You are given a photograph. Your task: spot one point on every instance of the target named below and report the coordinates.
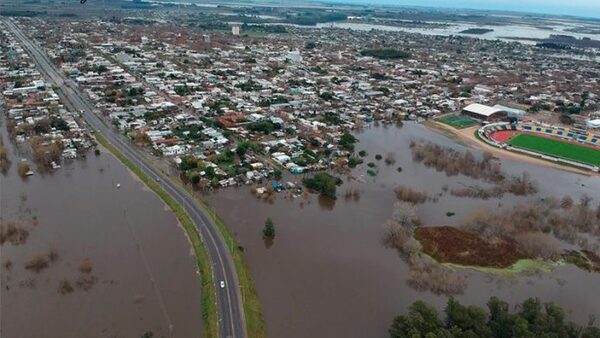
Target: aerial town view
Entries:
(299, 168)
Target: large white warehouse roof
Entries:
(481, 109)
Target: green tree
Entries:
(269, 229)
(470, 320)
(310, 45)
(195, 178)
(277, 173)
(347, 141)
(422, 320)
(324, 183)
(500, 321)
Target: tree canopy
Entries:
(269, 229)
(532, 319)
(347, 141)
(324, 183)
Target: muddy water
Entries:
(327, 273)
(146, 277)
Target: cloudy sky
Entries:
(588, 8)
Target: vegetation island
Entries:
(476, 31)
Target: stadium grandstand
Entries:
(573, 146)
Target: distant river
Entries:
(499, 32)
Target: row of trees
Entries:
(537, 226)
(385, 53)
(453, 162)
(533, 319)
(4, 160)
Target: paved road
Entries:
(230, 310)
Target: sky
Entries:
(585, 8)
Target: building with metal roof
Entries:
(484, 113)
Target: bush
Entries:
(407, 194)
(353, 161)
(195, 178)
(37, 263)
(13, 232)
(86, 282)
(425, 274)
(347, 141)
(23, 169)
(390, 158)
(85, 266)
(7, 263)
(65, 287)
(4, 161)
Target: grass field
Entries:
(456, 121)
(557, 148)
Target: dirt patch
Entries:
(451, 245)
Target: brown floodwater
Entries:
(146, 275)
(327, 273)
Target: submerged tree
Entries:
(269, 229)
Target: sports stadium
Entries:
(571, 146)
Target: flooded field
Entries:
(502, 32)
(118, 265)
(327, 273)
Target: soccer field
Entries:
(458, 122)
(557, 148)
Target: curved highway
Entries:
(229, 303)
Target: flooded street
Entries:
(327, 274)
(143, 276)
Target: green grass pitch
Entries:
(458, 122)
(557, 148)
